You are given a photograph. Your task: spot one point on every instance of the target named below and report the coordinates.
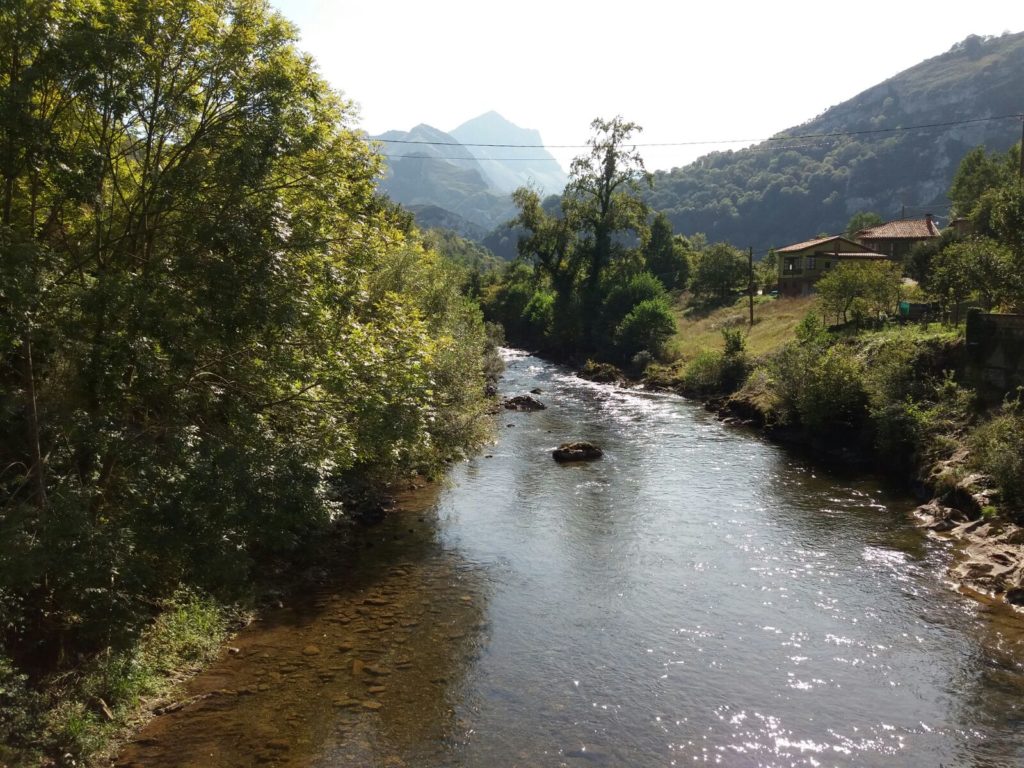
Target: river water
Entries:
(698, 596)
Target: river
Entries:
(698, 596)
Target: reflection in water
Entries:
(366, 671)
(697, 596)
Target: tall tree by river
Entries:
(211, 326)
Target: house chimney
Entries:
(928, 222)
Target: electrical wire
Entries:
(833, 134)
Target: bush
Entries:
(997, 449)
(539, 316)
(717, 373)
(623, 297)
(646, 328)
(818, 387)
(833, 393)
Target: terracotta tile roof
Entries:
(818, 241)
(865, 255)
(908, 229)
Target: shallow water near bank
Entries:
(698, 596)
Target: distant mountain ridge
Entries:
(440, 179)
(781, 192)
(511, 167)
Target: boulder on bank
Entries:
(524, 403)
(602, 373)
(578, 451)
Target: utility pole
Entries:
(750, 283)
(1020, 172)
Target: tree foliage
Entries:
(586, 264)
(860, 290)
(862, 220)
(666, 256)
(976, 269)
(720, 272)
(210, 326)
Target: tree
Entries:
(766, 271)
(574, 245)
(977, 173)
(602, 200)
(552, 244)
(721, 270)
(211, 327)
(865, 288)
(666, 255)
(647, 327)
(978, 268)
(862, 220)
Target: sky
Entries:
(702, 71)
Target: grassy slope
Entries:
(774, 323)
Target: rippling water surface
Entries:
(696, 597)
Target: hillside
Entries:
(782, 191)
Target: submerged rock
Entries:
(578, 451)
(524, 403)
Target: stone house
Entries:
(801, 265)
(895, 238)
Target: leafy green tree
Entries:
(978, 172)
(978, 268)
(862, 220)
(577, 244)
(647, 327)
(766, 271)
(865, 288)
(666, 256)
(602, 200)
(720, 272)
(624, 295)
(551, 243)
(212, 328)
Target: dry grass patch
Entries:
(774, 323)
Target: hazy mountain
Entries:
(508, 168)
(780, 192)
(467, 187)
(441, 175)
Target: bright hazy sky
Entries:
(685, 71)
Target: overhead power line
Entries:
(834, 134)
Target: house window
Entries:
(828, 265)
(811, 262)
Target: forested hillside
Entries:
(214, 335)
(783, 191)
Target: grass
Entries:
(775, 321)
(86, 715)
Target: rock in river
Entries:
(578, 451)
(524, 403)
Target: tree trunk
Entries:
(32, 411)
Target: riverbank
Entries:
(384, 635)
(86, 714)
